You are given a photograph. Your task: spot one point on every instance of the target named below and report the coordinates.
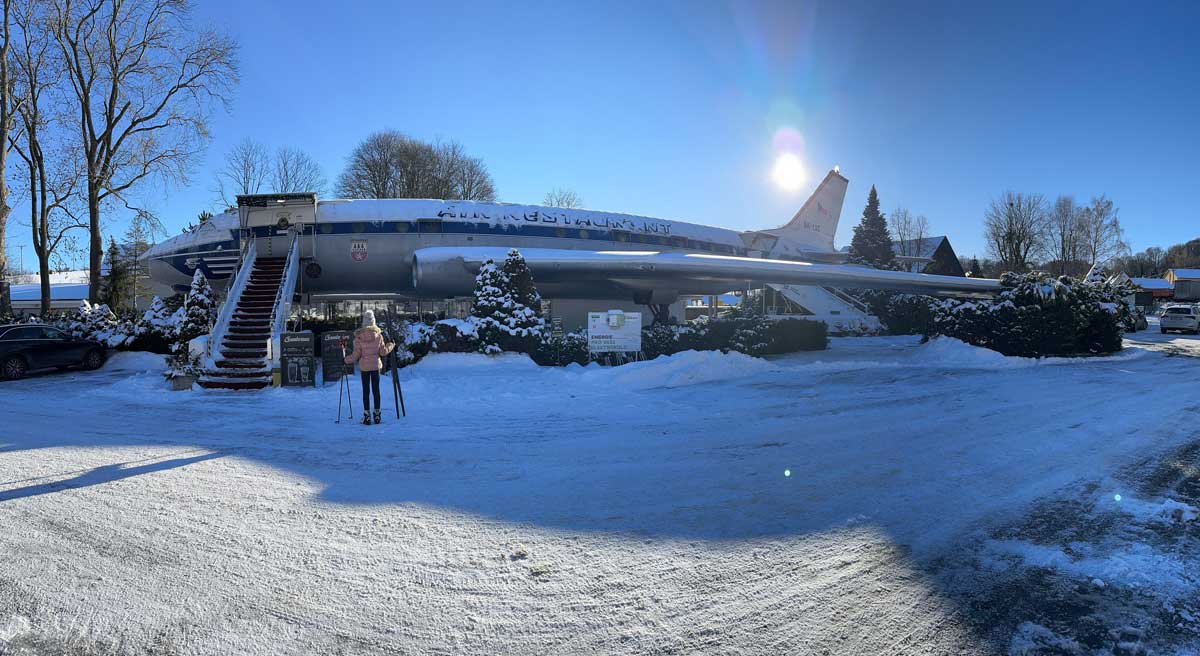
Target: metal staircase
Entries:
(839, 310)
(243, 343)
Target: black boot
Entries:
(366, 418)
(378, 417)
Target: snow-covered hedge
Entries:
(1039, 315)
(750, 334)
(901, 314)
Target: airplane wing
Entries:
(449, 271)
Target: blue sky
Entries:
(674, 109)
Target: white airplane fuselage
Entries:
(366, 247)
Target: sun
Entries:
(788, 172)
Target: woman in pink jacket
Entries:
(369, 351)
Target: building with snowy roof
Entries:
(27, 299)
(928, 255)
(1175, 275)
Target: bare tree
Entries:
(245, 170)
(294, 171)
(473, 182)
(1014, 229)
(53, 171)
(142, 78)
(564, 197)
(910, 230)
(1150, 263)
(1064, 237)
(389, 164)
(9, 109)
(1103, 237)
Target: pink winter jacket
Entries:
(369, 349)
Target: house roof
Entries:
(1152, 283)
(924, 247)
(1186, 274)
(59, 292)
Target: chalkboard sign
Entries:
(331, 353)
(298, 367)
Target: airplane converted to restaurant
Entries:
(275, 250)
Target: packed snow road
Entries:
(881, 497)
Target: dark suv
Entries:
(24, 347)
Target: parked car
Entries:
(1180, 317)
(26, 347)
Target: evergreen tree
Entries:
(199, 312)
(976, 271)
(116, 286)
(134, 246)
(507, 310)
(201, 219)
(872, 244)
(521, 280)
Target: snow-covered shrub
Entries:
(157, 328)
(901, 314)
(562, 351)
(199, 312)
(794, 335)
(1038, 315)
(456, 336)
(660, 339)
(507, 307)
(751, 336)
(98, 322)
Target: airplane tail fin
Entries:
(817, 221)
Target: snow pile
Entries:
(440, 362)
(951, 352)
(1135, 565)
(136, 362)
(1031, 639)
(680, 369)
(1164, 511)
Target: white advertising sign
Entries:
(614, 332)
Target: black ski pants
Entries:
(370, 379)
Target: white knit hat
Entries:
(368, 319)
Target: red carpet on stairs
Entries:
(243, 351)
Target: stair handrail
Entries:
(232, 294)
(849, 300)
(282, 308)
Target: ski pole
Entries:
(397, 392)
(341, 381)
(349, 401)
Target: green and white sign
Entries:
(614, 331)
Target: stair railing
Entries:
(232, 295)
(282, 307)
(848, 299)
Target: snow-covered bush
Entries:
(752, 334)
(1038, 315)
(199, 312)
(158, 327)
(507, 308)
(901, 314)
(99, 323)
(660, 339)
(562, 351)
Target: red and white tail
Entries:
(817, 221)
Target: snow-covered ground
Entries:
(880, 497)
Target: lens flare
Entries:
(788, 172)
